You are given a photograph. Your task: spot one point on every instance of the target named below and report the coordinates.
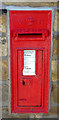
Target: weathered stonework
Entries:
(54, 110)
(4, 49)
(33, 4)
(55, 55)
(3, 23)
(55, 93)
(54, 70)
(56, 25)
(4, 64)
(0, 50)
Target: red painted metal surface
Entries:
(30, 30)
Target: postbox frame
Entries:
(8, 33)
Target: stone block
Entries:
(3, 39)
(4, 69)
(56, 21)
(0, 49)
(55, 70)
(3, 44)
(55, 52)
(4, 49)
(6, 114)
(0, 95)
(5, 93)
(0, 113)
(54, 110)
(3, 24)
(55, 93)
(31, 3)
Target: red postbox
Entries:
(30, 42)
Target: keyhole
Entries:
(23, 82)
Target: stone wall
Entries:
(54, 106)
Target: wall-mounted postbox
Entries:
(30, 42)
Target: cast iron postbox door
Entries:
(29, 77)
(30, 42)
